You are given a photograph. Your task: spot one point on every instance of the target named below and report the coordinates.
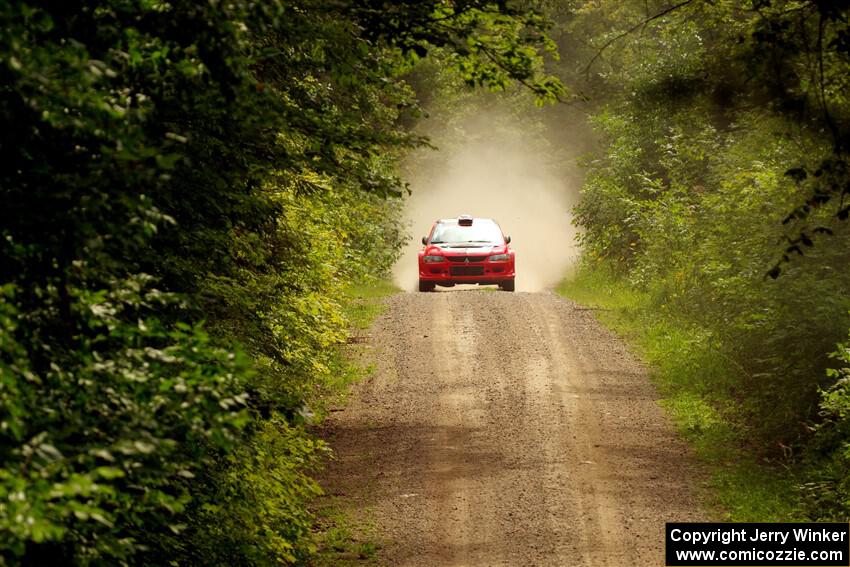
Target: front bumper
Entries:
(451, 273)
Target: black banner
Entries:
(757, 544)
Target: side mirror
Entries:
(507, 240)
(425, 240)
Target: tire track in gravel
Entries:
(508, 429)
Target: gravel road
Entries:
(508, 429)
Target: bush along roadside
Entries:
(683, 253)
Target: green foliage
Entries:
(717, 120)
(186, 191)
(689, 208)
(363, 303)
(491, 44)
(257, 512)
(101, 445)
(828, 489)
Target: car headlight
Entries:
(500, 257)
(433, 259)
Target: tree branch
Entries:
(617, 37)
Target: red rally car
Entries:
(466, 250)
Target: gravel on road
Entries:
(508, 429)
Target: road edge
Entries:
(740, 488)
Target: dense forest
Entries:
(719, 198)
(190, 188)
(187, 188)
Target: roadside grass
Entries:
(695, 384)
(343, 540)
(363, 302)
(344, 536)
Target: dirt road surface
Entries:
(508, 429)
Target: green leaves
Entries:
(187, 188)
(140, 397)
(719, 121)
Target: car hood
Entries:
(484, 250)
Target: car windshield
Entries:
(481, 231)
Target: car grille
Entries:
(467, 270)
(465, 258)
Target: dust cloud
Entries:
(491, 166)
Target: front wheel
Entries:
(426, 286)
(507, 285)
